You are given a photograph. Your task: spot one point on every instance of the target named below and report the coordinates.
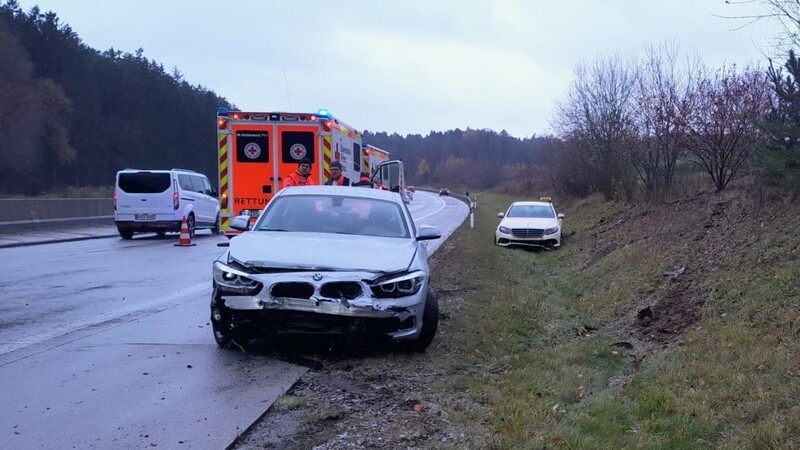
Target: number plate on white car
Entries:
(145, 217)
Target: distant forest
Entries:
(71, 116)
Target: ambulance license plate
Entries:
(145, 217)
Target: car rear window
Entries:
(144, 182)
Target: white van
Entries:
(158, 200)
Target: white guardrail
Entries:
(27, 213)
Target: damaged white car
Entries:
(326, 262)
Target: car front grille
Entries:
(341, 289)
(292, 290)
(527, 233)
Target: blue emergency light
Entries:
(222, 111)
(323, 112)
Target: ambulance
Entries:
(258, 150)
(373, 157)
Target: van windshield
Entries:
(144, 182)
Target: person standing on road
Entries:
(300, 177)
(337, 178)
(363, 181)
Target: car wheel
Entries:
(226, 339)
(216, 227)
(430, 322)
(229, 341)
(191, 225)
(125, 234)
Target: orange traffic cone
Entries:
(185, 239)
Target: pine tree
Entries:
(780, 159)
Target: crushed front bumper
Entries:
(317, 304)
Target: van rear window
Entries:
(144, 182)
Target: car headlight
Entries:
(398, 285)
(550, 231)
(234, 281)
(504, 230)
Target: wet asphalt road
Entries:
(107, 344)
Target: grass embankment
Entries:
(591, 346)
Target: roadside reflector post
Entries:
(472, 205)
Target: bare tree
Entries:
(784, 12)
(598, 117)
(721, 125)
(663, 92)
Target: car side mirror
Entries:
(560, 215)
(427, 232)
(501, 215)
(241, 223)
(213, 193)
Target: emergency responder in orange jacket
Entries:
(337, 179)
(363, 181)
(302, 176)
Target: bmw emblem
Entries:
(317, 277)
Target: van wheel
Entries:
(125, 234)
(191, 225)
(215, 228)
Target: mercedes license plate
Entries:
(145, 217)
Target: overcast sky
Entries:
(409, 66)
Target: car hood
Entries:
(316, 251)
(528, 222)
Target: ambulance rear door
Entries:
(253, 166)
(295, 142)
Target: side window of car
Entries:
(207, 187)
(197, 184)
(185, 182)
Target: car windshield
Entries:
(334, 214)
(533, 211)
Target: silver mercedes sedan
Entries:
(327, 262)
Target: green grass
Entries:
(542, 325)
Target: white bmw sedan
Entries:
(326, 262)
(531, 224)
